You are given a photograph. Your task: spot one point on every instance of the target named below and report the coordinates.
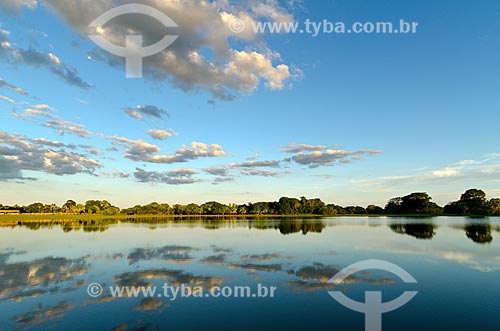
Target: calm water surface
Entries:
(45, 272)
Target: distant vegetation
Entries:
(473, 203)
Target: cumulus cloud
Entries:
(18, 153)
(297, 148)
(5, 84)
(135, 147)
(145, 152)
(34, 58)
(329, 157)
(140, 112)
(446, 172)
(172, 177)
(257, 164)
(43, 107)
(203, 57)
(260, 172)
(221, 173)
(132, 113)
(217, 171)
(161, 134)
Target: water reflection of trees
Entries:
(66, 225)
(285, 226)
(479, 232)
(304, 226)
(417, 230)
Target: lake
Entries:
(46, 270)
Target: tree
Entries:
(472, 202)
(242, 209)
(374, 210)
(79, 209)
(288, 206)
(233, 208)
(34, 208)
(355, 210)
(473, 195)
(92, 207)
(100, 207)
(311, 206)
(193, 209)
(214, 208)
(475, 200)
(330, 210)
(179, 209)
(415, 203)
(394, 206)
(69, 206)
(259, 208)
(494, 207)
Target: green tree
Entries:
(374, 210)
(475, 201)
(415, 203)
(394, 206)
(215, 208)
(288, 206)
(193, 209)
(473, 195)
(34, 208)
(494, 207)
(69, 206)
(92, 206)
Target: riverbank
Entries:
(62, 218)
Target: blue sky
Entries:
(349, 118)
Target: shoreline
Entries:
(6, 220)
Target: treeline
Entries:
(472, 202)
(69, 207)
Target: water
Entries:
(45, 272)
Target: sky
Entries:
(239, 116)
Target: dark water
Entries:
(45, 272)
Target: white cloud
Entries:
(19, 153)
(6, 99)
(171, 177)
(203, 57)
(37, 59)
(297, 148)
(43, 107)
(446, 172)
(139, 150)
(161, 134)
(329, 157)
